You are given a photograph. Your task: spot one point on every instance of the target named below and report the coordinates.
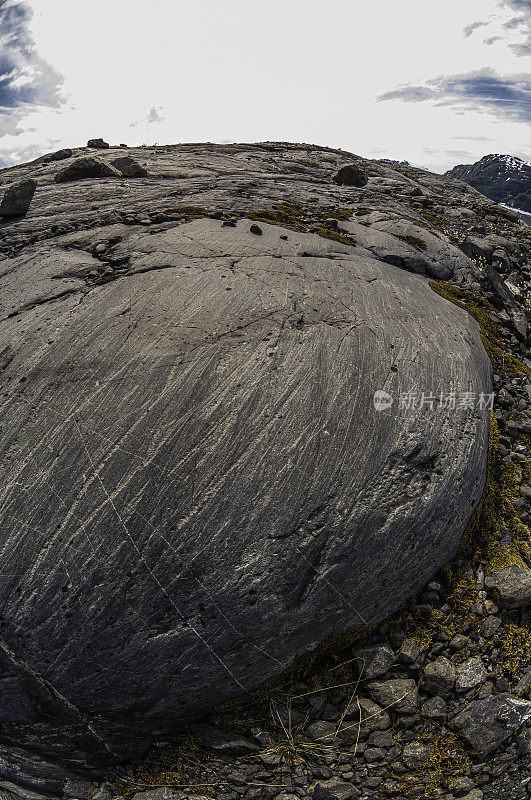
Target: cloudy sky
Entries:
(434, 83)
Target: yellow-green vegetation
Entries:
(176, 770)
(105, 279)
(306, 220)
(287, 215)
(448, 759)
(341, 236)
(496, 512)
(361, 212)
(436, 222)
(504, 363)
(414, 241)
(514, 644)
(306, 163)
(187, 212)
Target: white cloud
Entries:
(210, 71)
(153, 118)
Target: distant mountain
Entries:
(505, 179)
(3, 164)
(394, 161)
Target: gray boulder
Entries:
(511, 586)
(98, 144)
(438, 677)
(374, 661)
(333, 789)
(470, 674)
(28, 770)
(89, 167)
(17, 198)
(398, 694)
(129, 167)
(351, 175)
(196, 487)
(60, 155)
(487, 723)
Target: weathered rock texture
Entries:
(17, 198)
(195, 486)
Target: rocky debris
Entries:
(163, 793)
(434, 708)
(98, 144)
(511, 586)
(415, 754)
(406, 245)
(487, 723)
(129, 167)
(401, 694)
(470, 674)
(409, 652)
(438, 677)
(86, 168)
(524, 745)
(363, 716)
(60, 155)
(351, 175)
(222, 741)
(334, 790)
(373, 662)
(17, 198)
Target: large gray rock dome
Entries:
(196, 487)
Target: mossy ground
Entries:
(414, 241)
(105, 279)
(448, 759)
(307, 220)
(187, 213)
(503, 362)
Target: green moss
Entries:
(496, 512)
(414, 241)
(361, 212)
(187, 212)
(448, 759)
(504, 363)
(308, 220)
(327, 233)
(307, 163)
(336, 212)
(105, 279)
(436, 222)
(514, 647)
